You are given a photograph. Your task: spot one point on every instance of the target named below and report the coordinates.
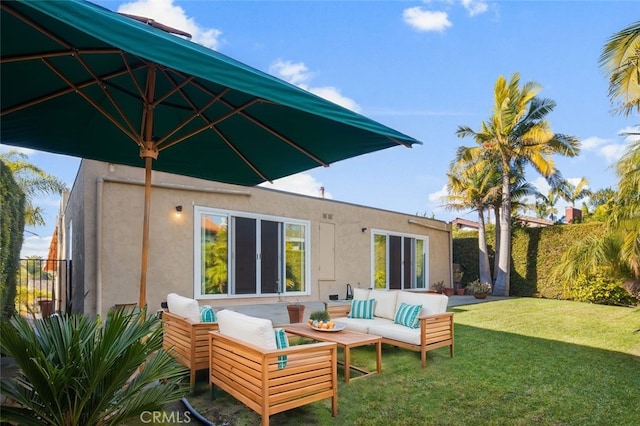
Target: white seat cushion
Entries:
(183, 307)
(257, 331)
(385, 306)
(389, 330)
(356, 324)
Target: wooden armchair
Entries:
(250, 374)
(187, 341)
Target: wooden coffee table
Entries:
(345, 339)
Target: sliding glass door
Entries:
(399, 261)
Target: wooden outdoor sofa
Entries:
(435, 329)
(185, 336)
(256, 375)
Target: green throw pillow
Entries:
(281, 343)
(407, 315)
(362, 309)
(207, 314)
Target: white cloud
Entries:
(298, 74)
(541, 185)
(333, 94)
(35, 246)
(475, 7)
(592, 143)
(426, 20)
(301, 183)
(167, 13)
(294, 72)
(605, 148)
(438, 196)
(612, 152)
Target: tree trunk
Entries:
(496, 257)
(501, 287)
(483, 258)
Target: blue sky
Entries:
(421, 67)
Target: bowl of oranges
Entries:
(326, 326)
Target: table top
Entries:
(343, 337)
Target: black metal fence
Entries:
(44, 287)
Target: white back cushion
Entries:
(361, 293)
(257, 331)
(184, 307)
(431, 303)
(385, 306)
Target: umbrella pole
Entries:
(145, 232)
(149, 152)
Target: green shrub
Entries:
(534, 253)
(26, 301)
(600, 288)
(320, 316)
(74, 370)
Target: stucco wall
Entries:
(119, 196)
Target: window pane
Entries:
(380, 261)
(408, 262)
(295, 255)
(214, 237)
(269, 256)
(395, 262)
(245, 255)
(420, 264)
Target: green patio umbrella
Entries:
(81, 80)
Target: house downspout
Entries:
(99, 190)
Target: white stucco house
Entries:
(231, 245)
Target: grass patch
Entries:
(517, 362)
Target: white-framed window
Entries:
(246, 254)
(399, 261)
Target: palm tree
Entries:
(472, 186)
(602, 197)
(573, 193)
(516, 134)
(618, 252)
(620, 58)
(545, 205)
(34, 182)
(625, 217)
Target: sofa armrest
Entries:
(338, 311)
(436, 316)
(436, 330)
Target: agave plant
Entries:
(80, 371)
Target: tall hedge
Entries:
(12, 204)
(534, 253)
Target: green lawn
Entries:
(517, 362)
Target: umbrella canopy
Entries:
(81, 80)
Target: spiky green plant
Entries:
(320, 316)
(80, 371)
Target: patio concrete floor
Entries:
(277, 312)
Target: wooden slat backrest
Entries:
(251, 374)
